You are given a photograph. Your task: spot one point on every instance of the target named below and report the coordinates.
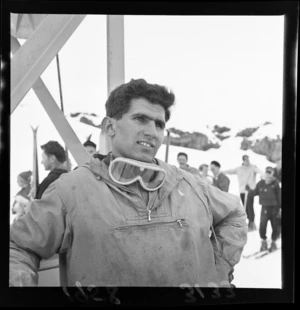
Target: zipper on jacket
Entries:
(181, 223)
(149, 215)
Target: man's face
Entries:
(182, 160)
(21, 182)
(46, 161)
(269, 175)
(246, 161)
(214, 169)
(90, 149)
(140, 132)
(205, 171)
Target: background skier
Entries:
(269, 193)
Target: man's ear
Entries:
(108, 124)
(52, 158)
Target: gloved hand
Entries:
(247, 187)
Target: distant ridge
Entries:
(263, 139)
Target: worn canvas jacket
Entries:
(104, 232)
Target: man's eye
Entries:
(160, 125)
(140, 118)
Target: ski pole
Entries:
(62, 107)
(35, 167)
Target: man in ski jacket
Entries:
(221, 181)
(127, 218)
(246, 175)
(182, 159)
(53, 158)
(269, 194)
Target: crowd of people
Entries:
(130, 219)
(268, 189)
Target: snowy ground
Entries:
(258, 273)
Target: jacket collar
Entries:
(58, 171)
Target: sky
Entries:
(224, 70)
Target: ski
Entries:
(262, 254)
(254, 254)
(266, 253)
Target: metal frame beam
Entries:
(38, 51)
(115, 51)
(63, 127)
(115, 66)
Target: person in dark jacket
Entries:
(269, 193)
(53, 159)
(221, 181)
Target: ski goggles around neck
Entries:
(125, 171)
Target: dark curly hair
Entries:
(119, 100)
(54, 148)
(216, 163)
(182, 154)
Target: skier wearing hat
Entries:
(269, 193)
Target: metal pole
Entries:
(62, 107)
(115, 51)
(167, 146)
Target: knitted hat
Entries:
(26, 176)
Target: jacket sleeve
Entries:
(229, 228)
(260, 172)
(40, 233)
(278, 194)
(255, 191)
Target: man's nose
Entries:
(150, 129)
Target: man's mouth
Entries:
(146, 144)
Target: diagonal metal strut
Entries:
(56, 116)
(38, 51)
